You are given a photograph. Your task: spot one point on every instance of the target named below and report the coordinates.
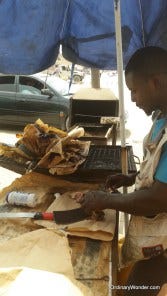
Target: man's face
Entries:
(142, 92)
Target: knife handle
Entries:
(44, 216)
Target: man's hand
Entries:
(93, 200)
(119, 180)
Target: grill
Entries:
(102, 161)
(107, 158)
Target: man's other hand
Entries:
(119, 180)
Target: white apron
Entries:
(146, 237)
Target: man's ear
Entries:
(156, 82)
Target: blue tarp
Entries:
(31, 32)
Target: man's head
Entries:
(146, 78)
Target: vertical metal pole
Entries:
(121, 92)
(120, 69)
(118, 34)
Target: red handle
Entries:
(47, 216)
(44, 216)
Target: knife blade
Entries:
(60, 217)
(16, 215)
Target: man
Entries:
(146, 78)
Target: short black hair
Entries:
(148, 60)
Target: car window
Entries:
(7, 83)
(28, 85)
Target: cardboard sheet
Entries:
(24, 243)
(44, 188)
(102, 230)
(40, 249)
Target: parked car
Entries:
(24, 99)
(64, 72)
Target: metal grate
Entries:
(107, 158)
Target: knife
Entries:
(60, 217)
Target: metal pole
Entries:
(118, 34)
(120, 69)
(121, 94)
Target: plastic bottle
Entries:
(21, 198)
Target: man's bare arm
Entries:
(146, 202)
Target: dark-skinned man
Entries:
(146, 78)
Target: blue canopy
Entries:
(33, 30)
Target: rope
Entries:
(71, 77)
(142, 24)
